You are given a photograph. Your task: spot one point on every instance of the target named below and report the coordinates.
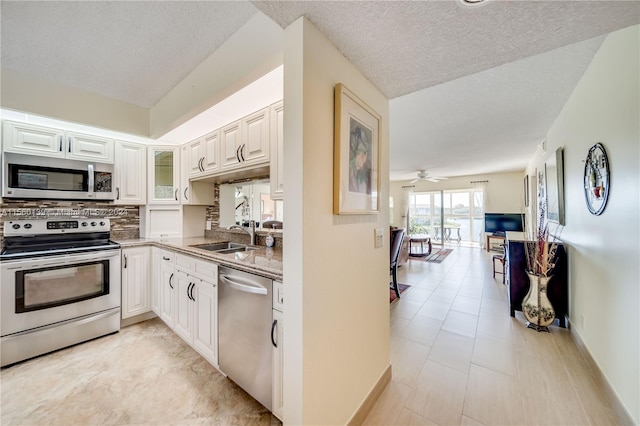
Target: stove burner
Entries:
(45, 237)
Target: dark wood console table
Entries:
(518, 281)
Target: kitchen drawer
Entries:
(185, 263)
(167, 256)
(198, 268)
(278, 296)
(206, 270)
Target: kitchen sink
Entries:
(237, 249)
(225, 247)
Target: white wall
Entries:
(504, 192)
(337, 313)
(21, 92)
(604, 250)
(253, 51)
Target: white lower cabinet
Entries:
(136, 289)
(196, 319)
(167, 288)
(277, 399)
(156, 291)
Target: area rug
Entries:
(437, 256)
(401, 288)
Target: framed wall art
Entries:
(554, 179)
(596, 179)
(356, 163)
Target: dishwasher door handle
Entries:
(247, 287)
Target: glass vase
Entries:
(536, 306)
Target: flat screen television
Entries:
(499, 223)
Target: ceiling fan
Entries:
(423, 175)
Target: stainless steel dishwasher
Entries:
(244, 333)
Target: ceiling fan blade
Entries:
(432, 179)
(414, 181)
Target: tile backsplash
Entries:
(125, 220)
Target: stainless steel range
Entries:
(60, 285)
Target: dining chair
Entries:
(396, 242)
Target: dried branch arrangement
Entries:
(540, 253)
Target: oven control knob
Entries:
(15, 226)
(27, 226)
(101, 223)
(93, 224)
(84, 224)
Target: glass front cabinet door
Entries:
(164, 175)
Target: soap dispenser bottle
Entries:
(270, 240)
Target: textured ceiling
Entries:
(405, 46)
(130, 51)
(472, 89)
(486, 122)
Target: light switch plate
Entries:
(207, 225)
(378, 235)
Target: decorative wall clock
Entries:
(596, 179)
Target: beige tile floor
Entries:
(144, 374)
(458, 358)
(457, 355)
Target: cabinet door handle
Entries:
(125, 261)
(70, 143)
(238, 153)
(273, 328)
(60, 146)
(242, 152)
(190, 291)
(200, 166)
(166, 258)
(117, 193)
(185, 194)
(176, 194)
(170, 281)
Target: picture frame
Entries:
(554, 182)
(526, 191)
(356, 165)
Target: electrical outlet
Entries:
(207, 225)
(378, 235)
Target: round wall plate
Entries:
(596, 179)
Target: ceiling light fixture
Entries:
(473, 3)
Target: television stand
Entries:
(490, 237)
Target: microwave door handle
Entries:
(91, 180)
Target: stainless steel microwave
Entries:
(28, 176)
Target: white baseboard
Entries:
(363, 410)
(621, 411)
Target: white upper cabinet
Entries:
(245, 142)
(34, 140)
(163, 174)
(256, 138)
(277, 151)
(194, 192)
(230, 144)
(203, 155)
(211, 152)
(45, 141)
(90, 148)
(130, 173)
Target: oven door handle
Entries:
(68, 259)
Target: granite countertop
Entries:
(264, 261)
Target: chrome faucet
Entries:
(251, 230)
